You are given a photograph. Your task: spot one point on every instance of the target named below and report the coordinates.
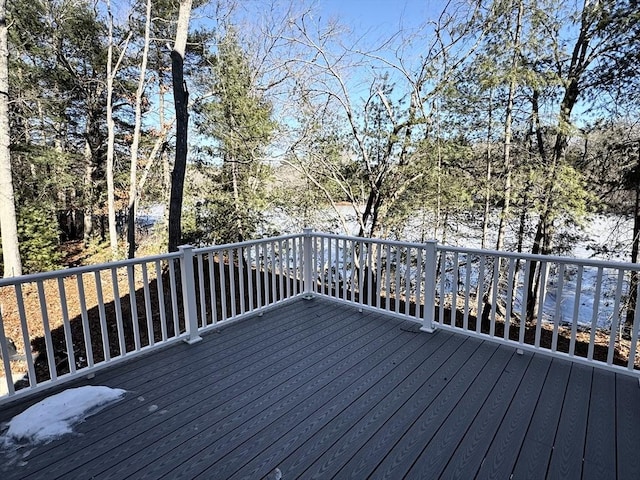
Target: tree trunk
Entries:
(88, 189)
(544, 214)
(436, 226)
(111, 71)
(533, 270)
(180, 98)
(135, 143)
(513, 85)
(489, 164)
(111, 196)
(236, 200)
(164, 157)
(506, 159)
(8, 224)
(635, 249)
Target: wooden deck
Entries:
(314, 389)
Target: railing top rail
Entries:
(494, 253)
(246, 243)
(544, 258)
(67, 272)
(369, 240)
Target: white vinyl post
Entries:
(189, 294)
(430, 267)
(307, 263)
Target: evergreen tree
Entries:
(238, 120)
(56, 118)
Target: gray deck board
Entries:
(399, 381)
(628, 426)
(438, 400)
(215, 372)
(600, 446)
(472, 449)
(504, 448)
(320, 390)
(346, 437)
(568, 451)
(535, 453)
(439, 450)
(241, 377)
(216, 439)
(306, 417)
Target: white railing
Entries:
(235, 280)
(69, 323)
(60, 325)
(572, 308)
(376, 274)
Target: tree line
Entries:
(521, 113)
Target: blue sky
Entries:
(382, 16)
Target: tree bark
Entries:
(88, 188)
(236, 200)
(180, 98)
(8, 224)
(488, 164)
(164, 157)
(111, 196)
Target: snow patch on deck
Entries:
(56, 415)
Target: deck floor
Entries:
(313, 389)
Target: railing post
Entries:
(189, 294)
(430, 274)
(307, 263)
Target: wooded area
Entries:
(527, 109)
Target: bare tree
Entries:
(387, 124)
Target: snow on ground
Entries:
(603, 237)
(149, 216)
(56, 415)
